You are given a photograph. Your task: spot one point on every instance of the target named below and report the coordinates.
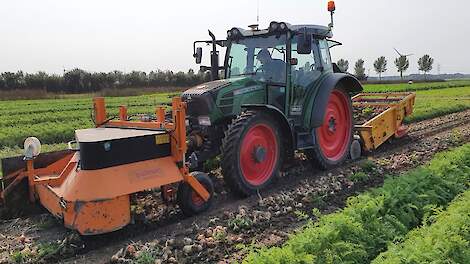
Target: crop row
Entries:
(403, 87)
(65, 115)
(81, 99)
(433, 103)
(371, 221)
(38, 106)
(443, 238)
(50, 132)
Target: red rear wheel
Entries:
(335, 133)
(333, 138)
(251, 152)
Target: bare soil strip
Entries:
(224, 233)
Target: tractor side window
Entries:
(325, 54)
(303, 74)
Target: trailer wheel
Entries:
(251, 152)
(333, 138)
(189, 201)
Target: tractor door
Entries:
(304, 73)
(276, 87)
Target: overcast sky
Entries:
(105, 35)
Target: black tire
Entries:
(317, 154)
(185, 195)
(231, 152)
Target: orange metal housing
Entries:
(97, 201)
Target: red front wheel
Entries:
(332, 140)
(251, 152)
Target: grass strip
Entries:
(443, 238)
(370, 221)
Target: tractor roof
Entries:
(317, 30)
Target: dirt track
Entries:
(218, 234)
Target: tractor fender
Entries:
(279, 115)
(319, 99)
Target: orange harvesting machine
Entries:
(89, 185)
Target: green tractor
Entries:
(280, 92)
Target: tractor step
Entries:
(304, 140)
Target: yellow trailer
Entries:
(394, 107)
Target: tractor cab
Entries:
(284, 59)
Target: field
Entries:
(53, 121)
(389, 206)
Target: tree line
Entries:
(81, 81)
(402, 63)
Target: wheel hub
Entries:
(332, 125)
(259, 154)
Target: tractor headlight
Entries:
(32, 147)
(204, 121)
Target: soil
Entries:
(234, 226)
(362, 114)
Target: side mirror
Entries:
(304, 43)
(294, 61)
(198, 55)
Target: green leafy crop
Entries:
(373, 220)
(447, 240)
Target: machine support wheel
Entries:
(189, 201)
(402, 131)
(332, 140)
(251, 152)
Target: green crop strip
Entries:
(434, 103)
(55, 120)
(371, 221)
(404, 87)
(445, 240)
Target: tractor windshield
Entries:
(263, 57)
